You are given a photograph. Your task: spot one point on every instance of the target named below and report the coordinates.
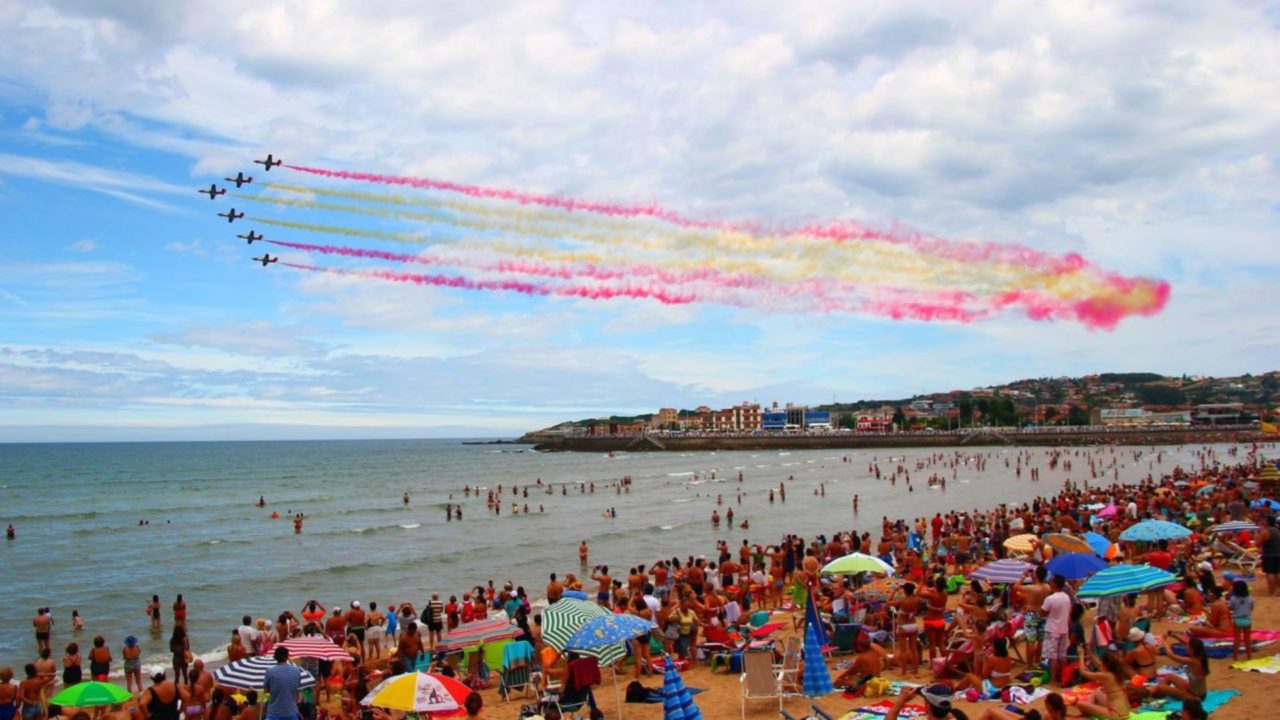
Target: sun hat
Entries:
(938, 697)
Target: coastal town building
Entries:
(1138, 417)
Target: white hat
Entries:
(514, 594)
(1136, 635)
(355, 603)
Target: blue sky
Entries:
(1141, 135)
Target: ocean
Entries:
(77, 507)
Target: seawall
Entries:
(552, 442)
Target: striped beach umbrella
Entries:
(1065, 543)
(474, 634)
(1024, 543)
(1101, 545)
(565, 617)
(1234, 526)
(251, 673)
(1074, 566)
(1153, 530)
(817, 679)
(1001, 572)
(1125, 579)
(677, 703)
(315, 647)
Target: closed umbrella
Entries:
(91, 694)
(855, 563)
(817, 679)
(1001, 572)
(1124, 580)
(1024, 543)
(1065, 543)
(419, 692)
(1153, 530)
(677, 703)
(1075, 566)
(1234, 526)
(474, 634)
(315, 647)
(251, 673)
(566, 617)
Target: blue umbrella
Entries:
(817, 679)
(1074, 566)
(1099, 543)
(1124, 580)
(677, 704)
(1001, 572)
(1266, 503)
(812, 619)
(605, 630)
(1152, 530)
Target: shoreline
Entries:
(544, 441)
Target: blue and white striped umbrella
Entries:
(817, 679)
(1152, 530)
(1001, 572)
(677, 703)
(1125, 579)
(1234, 526)
(251, 674)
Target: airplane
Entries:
(251, 237)
(269, 163)
(213, 192)
(231, 215)
(239, 179)
(265, 259)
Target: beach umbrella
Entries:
(767, 629)
(814, 620)
(474, 634)
(251, 673)
(855, 563)
(1152, 530)
(1065, 543)
(1075, 566)
(1265, 503)
(315, 647)
(1206, 489)
(1101, 545)
(91, 694)
(1123, 580)
(1108, 511)
(607, 630)
(817, 679)
(1016, 524)
(1001, 572)
(561, 620)
(1024, 543)
(677, 703)
(1234, 526)
(419, 692)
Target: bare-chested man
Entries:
(47, 669)
(43, 623)
(1033, 596)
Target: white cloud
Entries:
(86, 245)
(123, 185)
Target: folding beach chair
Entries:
(517, 668)
(1247, 559)
(758, 679)
(789, 680)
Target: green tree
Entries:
(899, 418)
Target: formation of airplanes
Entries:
(240, 179)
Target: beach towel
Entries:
(1214, 700)
(1220, 649)
(877, 711)
(516, 653)
(1083, 691)
(1266, 665)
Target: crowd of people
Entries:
(931, 623)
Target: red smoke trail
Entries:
(525, 288)
(843, 230)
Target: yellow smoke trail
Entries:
(347, 231)
(787, 259)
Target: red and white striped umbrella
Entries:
(315, 647)
(480, 632)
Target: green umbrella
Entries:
(91, 694)
(565, 617)
(855, 563)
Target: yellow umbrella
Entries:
(1024, 543)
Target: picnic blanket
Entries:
(1214, 700)
(1266, 665)
(877, 711)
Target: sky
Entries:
(1142, 136)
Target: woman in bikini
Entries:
(995, 673)
(908, 631)
(1111, 700)
(1141, 660)
(935, 618)
(1196, 684)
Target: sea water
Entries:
(77, 508)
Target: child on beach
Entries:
(1241, 604)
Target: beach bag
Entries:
(637, 693)
(671, 631)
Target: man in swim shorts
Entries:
(42, 623)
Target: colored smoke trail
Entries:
(589, 292)
(347, 231)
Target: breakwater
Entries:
(558, 442)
